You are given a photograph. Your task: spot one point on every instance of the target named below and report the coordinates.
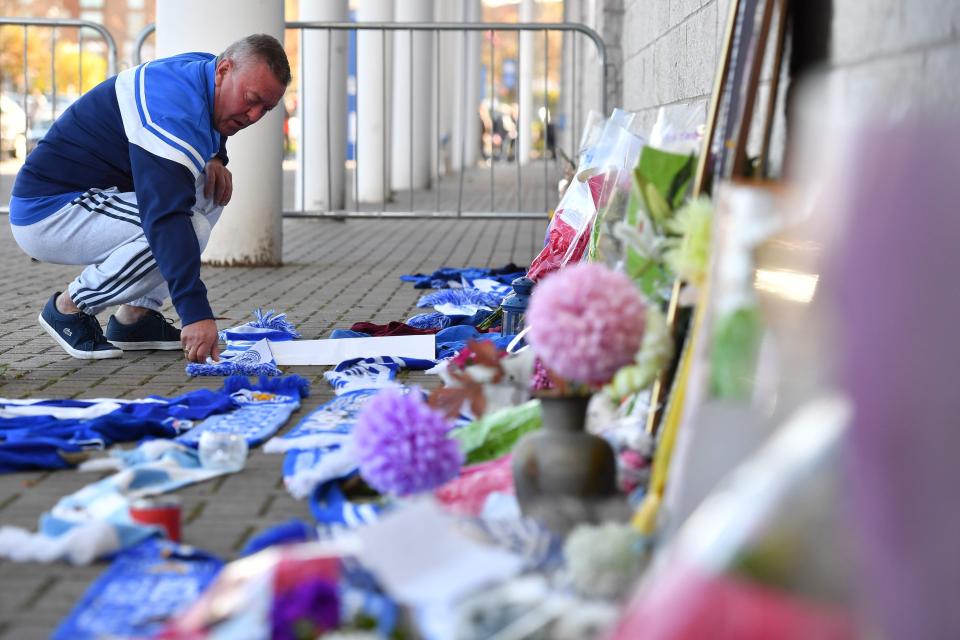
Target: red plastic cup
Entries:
(163, 512)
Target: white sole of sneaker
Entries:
(76, 353)
(146, 346)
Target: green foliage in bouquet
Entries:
(638, 221)
(494, 434)
(654, 354)
(664, 178)
(602, 240)
(688, 249)
(660, 183)
(644, 264)
(736, 343)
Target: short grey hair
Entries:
(263, 47)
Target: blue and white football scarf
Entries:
(431, 320)
(239, 359)
(467, 306)
(326, 427)
(306, 469)
(378, 372)
(95, 520)
(316, 449)
(265, 326)
(451, 340)
(291, 531)
(56, 434)
(258, 417)
(464, 302)
(440, 321)
(59, 409)
(247, 351)
(334, 513)
(142, 588)
(449, 277)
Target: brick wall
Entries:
(887, 55)
(670, 50)
(897, 54)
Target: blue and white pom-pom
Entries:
(270, 325)
(433, 320)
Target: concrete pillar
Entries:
(569, 139)
(412, 108)
(465, 139)
(321, 172)
(445, 87)
(374, 55)
(526, 76)
(249, 231)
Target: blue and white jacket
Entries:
(150, 130)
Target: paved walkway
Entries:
(334, 274)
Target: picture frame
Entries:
(723, 153)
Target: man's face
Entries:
(243, 94)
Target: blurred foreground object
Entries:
(898, 307)
(763, 556)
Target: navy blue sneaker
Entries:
(152, 331)
(79, 334)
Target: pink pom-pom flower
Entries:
(402, 444)
(586, 322)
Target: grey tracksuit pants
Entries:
(101, 229)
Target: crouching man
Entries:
(129, 182)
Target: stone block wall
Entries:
(893, 55)
(886, 56)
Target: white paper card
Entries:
(327, 352)
(421, 557)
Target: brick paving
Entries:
(335, 273)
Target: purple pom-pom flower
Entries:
(306, 610)
(402, 444)
(586, 322)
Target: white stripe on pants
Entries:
(101, 229)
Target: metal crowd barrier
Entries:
(574, 119)
(54, 25)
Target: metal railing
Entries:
(54, 25)
(545, 120)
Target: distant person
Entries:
(129, 181)
(508, 119)
(499, 133)
(551, 139)
(486, 131)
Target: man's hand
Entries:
(219, 186)
(199, 340)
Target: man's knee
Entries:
(43, 246)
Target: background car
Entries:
(13, 120)
(37, 130)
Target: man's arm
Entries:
(199, 340)
(222, 152)
(165, 195)
(219, 184)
